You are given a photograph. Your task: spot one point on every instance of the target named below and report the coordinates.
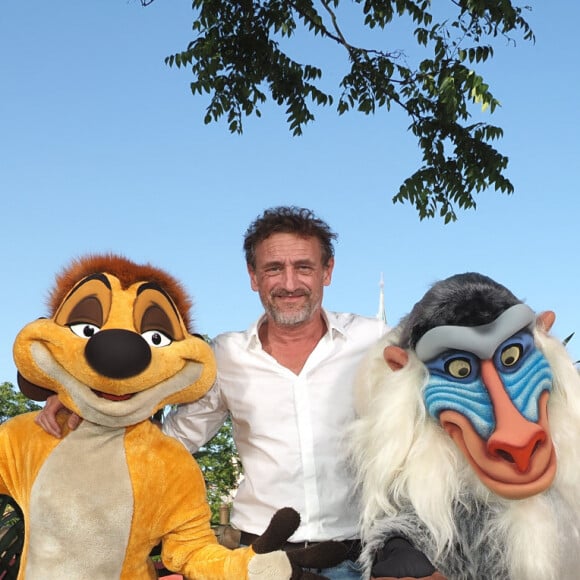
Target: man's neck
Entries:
(291, 345)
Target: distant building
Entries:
(381, 314)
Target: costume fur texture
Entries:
(416, 483)
(116, 348)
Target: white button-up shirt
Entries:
(288, 428)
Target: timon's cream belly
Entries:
(81, 508)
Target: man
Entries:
(286, 382)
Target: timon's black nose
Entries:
(118, 353)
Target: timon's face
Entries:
(290, 277)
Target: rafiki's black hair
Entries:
(468, 299)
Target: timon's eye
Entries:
(156, 338)
(458, 368)
(511, 354)
(84, 329)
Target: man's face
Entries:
(289, 277)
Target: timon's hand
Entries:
(292, 563)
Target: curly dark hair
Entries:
(288, 219)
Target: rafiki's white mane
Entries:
(414, 481)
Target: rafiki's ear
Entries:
(395, 357)
(545, 320)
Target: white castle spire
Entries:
(381, 314)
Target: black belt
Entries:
(352, 546)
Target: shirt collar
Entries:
(334, 325)
(332, 322)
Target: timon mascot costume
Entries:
(467, 445)
(116, 347)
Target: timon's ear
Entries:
(395, 357)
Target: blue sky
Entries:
(103, 148)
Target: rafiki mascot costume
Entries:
(467, 446)
(117, 347)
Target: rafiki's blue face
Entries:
(455, 382)
(489, 387)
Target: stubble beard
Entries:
(292, 317)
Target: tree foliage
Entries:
(13, 402)
(237, 57)
(11, 537)
(221, 468)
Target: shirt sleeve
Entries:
(194, 424)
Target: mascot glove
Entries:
(399, 559)
(434, 576)
(272, 563)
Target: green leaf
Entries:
(237, 58)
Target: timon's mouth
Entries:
(111, 397)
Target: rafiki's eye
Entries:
(458, 368)
(456, 365)
(511, 354)
(156, 338)
(84, 329)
